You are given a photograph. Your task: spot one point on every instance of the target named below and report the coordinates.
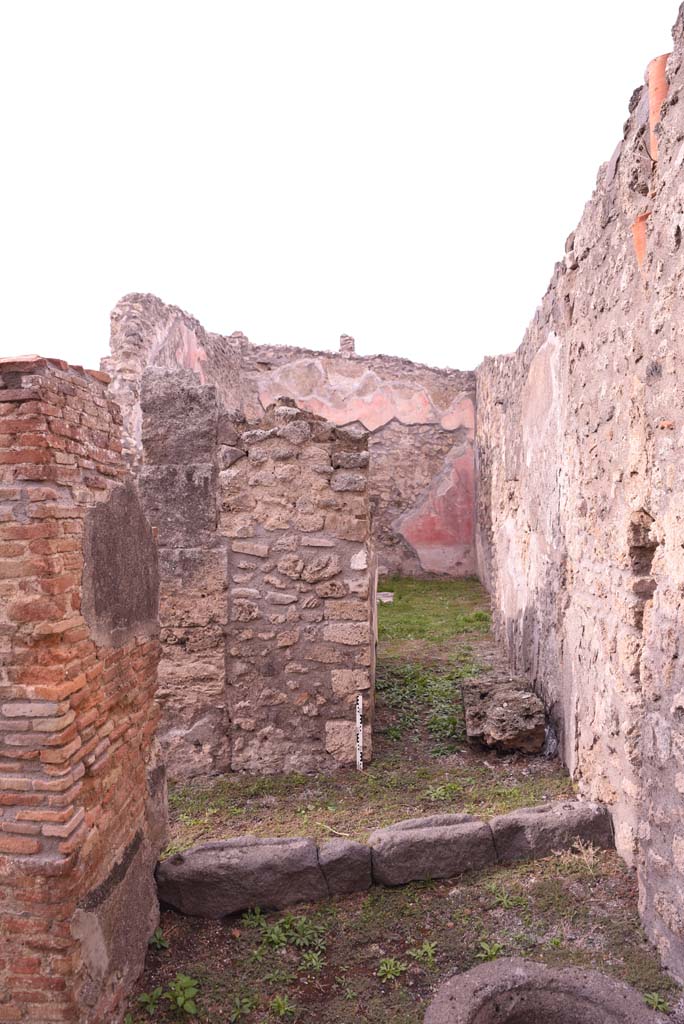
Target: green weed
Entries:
(390, 969)
(424, 953)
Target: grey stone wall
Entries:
(179, 487)
(267, 581)
(580, 483)
(295, 510)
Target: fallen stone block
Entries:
(385, 597)
(538, 831)
(225, 877)
(436, 847)
(346, 866)
(504, 715)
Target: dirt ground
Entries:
(377, 956)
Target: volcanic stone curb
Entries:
(226, 877)
(436, 847)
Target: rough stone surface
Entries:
(180, 496)
(580, 503)
(346, 866)
(121, 573)
(82, 796)
(267, 607)
(303, 644)
(223, 878)
(504, 714)
(538, 831)
(440, 846)
(516, 991)
(420, 422)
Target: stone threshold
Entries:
(226, 877)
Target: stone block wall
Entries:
(302, 591)
(267, 581)
(420, 421)
(81, 796)
(580, 484)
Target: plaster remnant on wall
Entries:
(415, 414)
(580, 535)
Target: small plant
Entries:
(149, 1000)
(425, 953)
(157, 940)
(181, 993)
(656, 1002)
(279, 977)
(488, 950)
(128, 1019)
(445, 792)
(507, 900)
(273, 934)
(312, 962)
(282, 1007)
(304, 933)
(556, 942)
(242, 1005)
(390, 969)
(257, 955)
(253, 918)
(583, 855)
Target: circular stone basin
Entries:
(514, 991)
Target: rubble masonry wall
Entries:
(580, 484)
(267, 581)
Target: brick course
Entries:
(76, 718)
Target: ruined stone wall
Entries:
(179, 489)
(81, 797)
(580, 489)
(302, 592)
(267, 581)
(420, 420)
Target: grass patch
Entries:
(422, 763)
(434, 610)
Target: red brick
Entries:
(23, 847)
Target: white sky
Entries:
(405, 172)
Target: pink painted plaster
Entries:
(441, 529)
(190, 355)
(461, 413)
(358, 394)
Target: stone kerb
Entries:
(226, 877)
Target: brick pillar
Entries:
(80, 825)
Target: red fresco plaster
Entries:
(441, 528)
